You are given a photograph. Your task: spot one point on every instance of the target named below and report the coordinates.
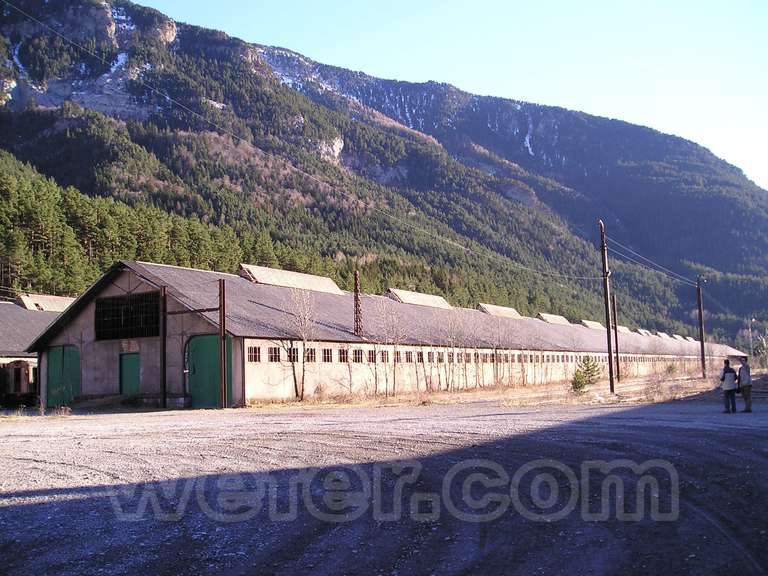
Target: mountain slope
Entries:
(639, 180)
(331, 169)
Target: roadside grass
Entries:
(24, 412)
(481, 394)
(654, 389)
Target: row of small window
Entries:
(275, 354)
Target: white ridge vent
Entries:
(592, 325)
(623, 329)
(644, 332)
(44, 302)
(678, 337)
(419, 298)
(501, 311)
(691, 339)
(553, 319)
(288, 279)
(663, 335)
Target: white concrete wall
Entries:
(266, 380)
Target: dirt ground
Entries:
(471, 488)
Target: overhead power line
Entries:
(660, 268)
(442, 239)
(672, 275)
(719, 304)
(644, 265)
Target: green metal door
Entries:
(63, 375)
(129, 374)
(203, 380)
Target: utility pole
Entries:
(700, 300)
(163, 346)
(616, 334)
(223, 342)
(751, 350)
(607, 298)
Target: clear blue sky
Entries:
(695, 68)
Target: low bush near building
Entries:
(587, 373)
(670, 370)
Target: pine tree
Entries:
(264, 251)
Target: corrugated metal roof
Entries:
(44, 302)
(663, 335)
(19, 327)
(644, 332)
(691, 339)
(553, 319)
(623, 329)
(592, 325)
(502, 311)
(419, 298)
(678, 337)
(266, 311)
(288, 279)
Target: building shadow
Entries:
(565, 499)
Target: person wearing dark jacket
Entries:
(745, 384)
(728, 379)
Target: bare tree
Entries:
(452, 336)
(303, 328)
(392, 330)
(470, 329)
(503, 337)
(348, 353)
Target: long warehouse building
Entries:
(150, 331)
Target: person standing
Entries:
(728, 379)
(745, 383)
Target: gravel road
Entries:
(437, 489)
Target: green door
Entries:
(203, 380)
(63, 375)
(129, 374)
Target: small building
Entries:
(209, 339)
(19, 326)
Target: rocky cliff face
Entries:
(47, 71)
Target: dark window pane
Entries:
(129, 316)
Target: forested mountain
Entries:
(638, 180)
(128, 135)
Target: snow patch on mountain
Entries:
(122, 20)
(215, 104)
(23, 71)
(528, 136)
(119, 62)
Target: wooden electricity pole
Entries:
(607, 298)
(700, 300)
(616, 334)
(163, 346)
(223, 342)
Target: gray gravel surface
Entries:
(77, 492)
